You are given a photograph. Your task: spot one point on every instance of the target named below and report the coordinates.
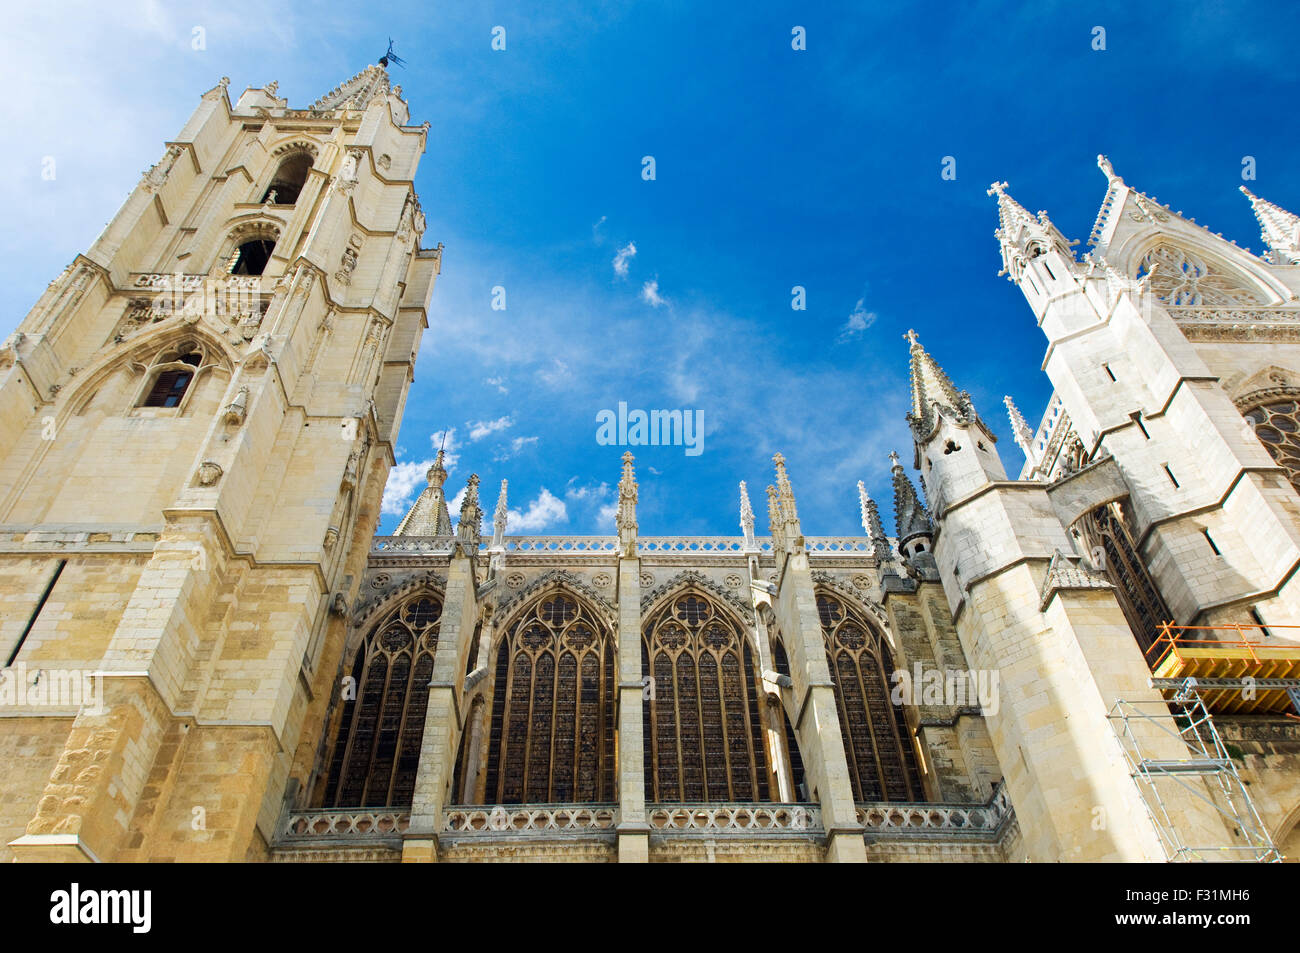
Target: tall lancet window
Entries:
(378, 746)
(704, 736)
(1105, 533)
(877, 742)
(552, 729)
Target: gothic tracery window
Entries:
(703, 732)
(171, 374)
(1181, 278)
(1277, 425)
(552, 728)
(378, 747)
(877, 741)
(1105, 533)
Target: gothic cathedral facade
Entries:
(210, 656)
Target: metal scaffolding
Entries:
(1207, 771)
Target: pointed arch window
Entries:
(171, 374)
(1106, 531)
(551, 737)
(703, 733)
(377, 750)
(289, 179)
(877, 741)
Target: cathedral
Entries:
(210, 656)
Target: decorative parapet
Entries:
(359, 827)
(425, 545)
(729, 819)
(531, 819)
(986, 821)
(658, 545)
(1234, 316)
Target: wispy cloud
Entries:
(650, 294)
(498, 382)
(484, 428)
(623, 258)
(858, 321)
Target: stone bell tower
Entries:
(196, 424)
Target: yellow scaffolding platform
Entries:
(1242, 675)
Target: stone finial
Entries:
(500, 518)
(871, 523)
(437, 473)
(785, 495)
(625, 518)
(910, 516)
(1020, 429)
(775, 522)
(1279, 229)
(470, 517)
(746, 517)
(1108, 170)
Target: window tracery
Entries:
(1181, 278)
(1277, 425)
(877, 741)
(171, 374)
(377, 750)
(551, 735)
(703, 732)
(1105, 534)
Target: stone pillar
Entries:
(633, 829)
(818, 724)
(443, 720)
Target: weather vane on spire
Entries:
(391, 57)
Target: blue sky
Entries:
(774, 168)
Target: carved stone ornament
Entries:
(209, 473)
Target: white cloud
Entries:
(555, 374)
(858, 321)
(542, 512)
(483, 428)
(597, 492)
(515, 447)
(498, 382)
(650, 294)
(623, 258)
(605, 515)
(405, 480)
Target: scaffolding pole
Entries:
(1207, 771)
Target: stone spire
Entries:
(499, 523)
(747, 518)
(1279, 229)
(871, 523)
(932, 388)
(1024, 436)
(429, 516)
(357, 92)
(910, 516)
(785, 502)
(625, 518)
(775, 522)
(1023, 236)
(468, 529)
